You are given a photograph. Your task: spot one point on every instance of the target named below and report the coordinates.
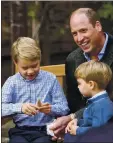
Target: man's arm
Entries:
(60, 124)
(75, 99)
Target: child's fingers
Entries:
(29, 108)
(39, 104)
(45, 107)
(46, 111)
(67, 129)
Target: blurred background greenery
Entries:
(48, 23)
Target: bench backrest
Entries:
(58, 70)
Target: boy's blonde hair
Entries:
(25, 48)
(95, 71)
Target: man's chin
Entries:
(87, 51)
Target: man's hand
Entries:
(29, 109)
(59, 125)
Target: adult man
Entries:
(93, 42)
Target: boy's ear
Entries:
(92, 84)
(15, 62)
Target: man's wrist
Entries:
(72, 116)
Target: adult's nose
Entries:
(79, 37)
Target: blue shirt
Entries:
(100, 55)
(45, 87)
(97, 113)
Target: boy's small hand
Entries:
(39, 104)
(29, 109)
(43, 107)
(73, 130)
(71, 125)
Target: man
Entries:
(93, 43)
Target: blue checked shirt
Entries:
(45, 87)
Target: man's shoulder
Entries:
(74, 54)
(110, 39)
(110, 36)
(108, 55)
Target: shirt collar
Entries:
(26, 80)
(100, 95)
(100, 55)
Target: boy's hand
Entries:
(73, 130)
(71, 125)
(44, 107)
(39, 104)
(29, 109)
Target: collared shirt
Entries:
(99, 110)
(98, 94)
(100, 55)
(45, 87)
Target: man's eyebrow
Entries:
(73, 32)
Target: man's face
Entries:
(28, 69)
(84, 33)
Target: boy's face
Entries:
(28, 69)
(84, 87)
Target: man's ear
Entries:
(98, 26)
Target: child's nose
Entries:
(30, 71)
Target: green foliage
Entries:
(32, 9)
(31, 13)
(106, 10)
(62, 31)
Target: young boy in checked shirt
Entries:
(21, 92)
